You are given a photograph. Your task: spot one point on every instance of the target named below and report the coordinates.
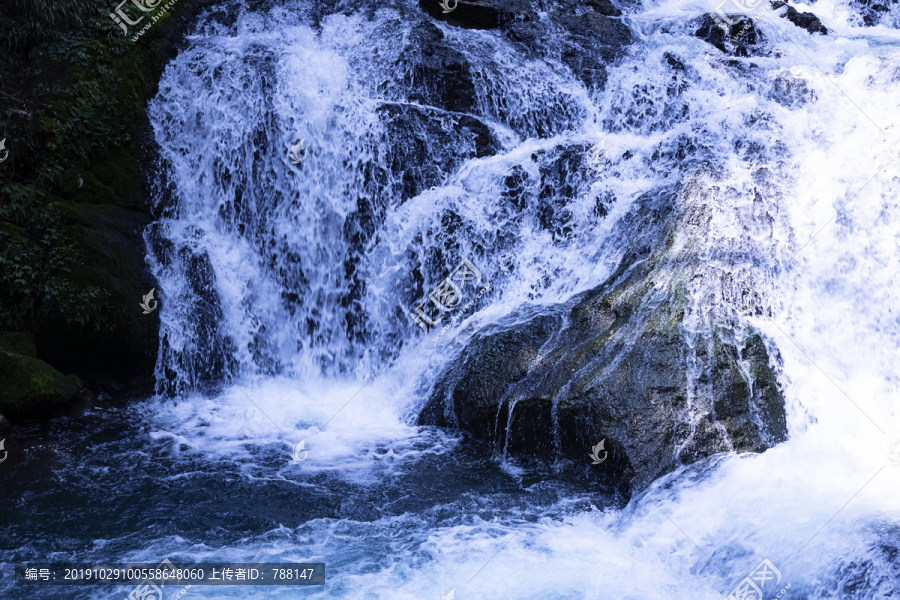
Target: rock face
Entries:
(805, 20)
(122, 350)
(586, 35)
(616, 363)
(437, 73)
(31, 388)
(420, 165)
(73, 205)
(471, 15)
(739, 37)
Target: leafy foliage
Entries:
(38, 21)
(35, 261)
(79, 89)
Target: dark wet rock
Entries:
(593, 29)
(211, 354)
(435, 73)
(562, 178)
(604, 7)
(589, 42)
(586, 37)
(428, 144)
(31, 388)
(805, 20)
(615, 364)
(515, 187)
(792, 92)
(871, 12)
(739, 37)
(533, 37)
(468, 14)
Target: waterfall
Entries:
(288, 291)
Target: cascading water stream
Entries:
(307, 271)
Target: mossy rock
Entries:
(617, 363)
(72, 256)
(33, 389)
(112, 179)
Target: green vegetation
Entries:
(71, 203)
(31, 387)
(78, 92)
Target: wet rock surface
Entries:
(587, 35)
(737, 36)
(871, 12)
(418, 164)
(615, 364)
(436, 73)
(468, 14)
(804, 20)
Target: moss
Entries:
(71, 256)
(32, 388)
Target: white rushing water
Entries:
(299, 331)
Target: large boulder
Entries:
(435, 73)
(590, 41)
(618, 364)
(31, 388)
